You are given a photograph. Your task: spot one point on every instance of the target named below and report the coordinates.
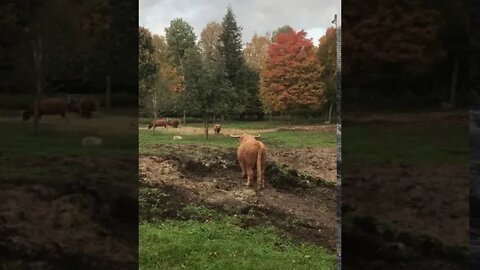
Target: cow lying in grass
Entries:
(251, 155)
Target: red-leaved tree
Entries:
(291, 78)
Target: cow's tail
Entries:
(260, 157)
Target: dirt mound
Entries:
(296, 204)
(308, 128)
(47, 225)
(314, 161)
(439, 198)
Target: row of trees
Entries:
(71, 41)
(218, 76)
(410, 50)
(64, 46)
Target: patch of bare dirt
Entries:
(315, 161)
(182, 130)
(447, 118)
(72, 226)
(308, 128)
(301, 208)
(420, 202)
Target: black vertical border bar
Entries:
(474, 23)
(339, 139)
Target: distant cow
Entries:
(87, 106)
(47, 106)
(175, 123)
(84, 107)
(217, 128)
(252, 155)
(157, 123)
(72, 106)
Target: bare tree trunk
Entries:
(453, 87)
(330, 112)
(37, 56)
(154, 105)
(184, 118)
(107, 93)
(205, 121)
(270, 118)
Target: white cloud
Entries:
(254, 16)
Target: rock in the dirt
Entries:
(91, 141)
(177, 137)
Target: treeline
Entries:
(68, 46)
(405, 52)
(219, 77)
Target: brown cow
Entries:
(157, 123)
(72, 106)
(175, 123)
(217, 128)
(84, 107)
(47, 106)
(252, 155)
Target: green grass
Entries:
(55, 156)
(421, 145)
(277, 139)
(193, 122)
(223, 245)
(18, 139)
(148, 138)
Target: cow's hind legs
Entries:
(243, 169)
(249, 177)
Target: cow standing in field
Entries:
(217, 128)
(83, 107)
(175, 123)
(157, 123)
(252, 155)
(47, 106)
(87, 106)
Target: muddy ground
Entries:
(401, 216)
(61, 211)
(315, 161)
(68, 228)
(302, 206)
(423, 201)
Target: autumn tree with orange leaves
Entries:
(327, 55)
(290, 80)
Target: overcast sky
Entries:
(255, 16)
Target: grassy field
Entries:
(265, 124)
(197, 237)
(218, 242)
(19, 139)
(389, 144)
(56, 153)
(278, 139)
